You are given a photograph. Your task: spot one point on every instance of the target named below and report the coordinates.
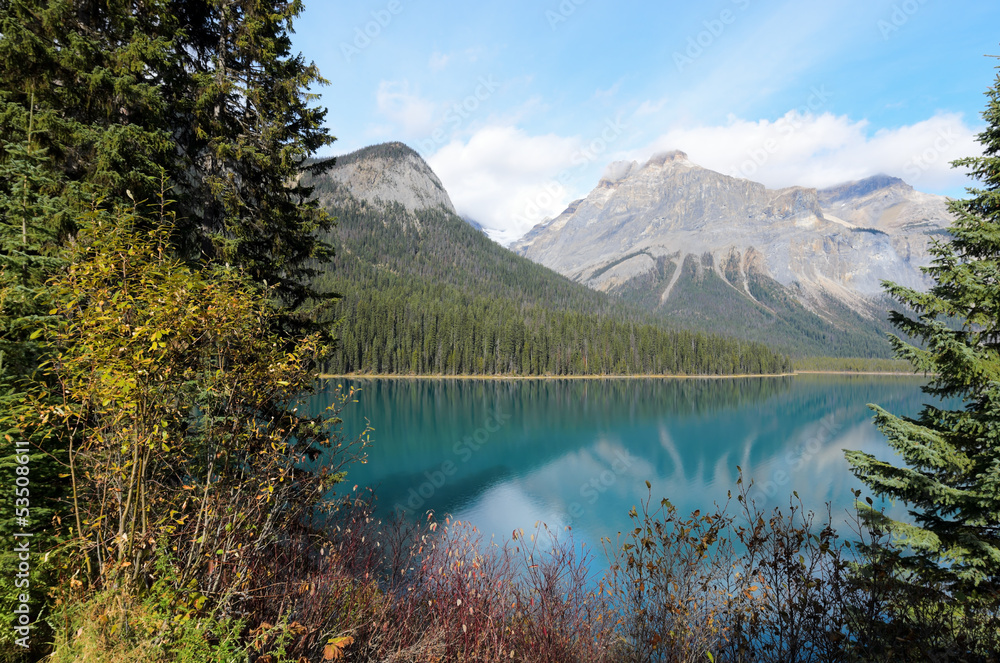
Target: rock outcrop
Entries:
(390, 172)
(825, 246)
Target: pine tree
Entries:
(204, 92)
(28, 257)
(250, 134)
(950, 472)
(101, 103)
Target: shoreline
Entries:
(664, 376)
(899, 373)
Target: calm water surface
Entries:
(505, 454)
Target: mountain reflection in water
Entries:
(504, 454)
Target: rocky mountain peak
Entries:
(660, 165)
(671, 157)
(884, 203)
(615, 173)
(795, 201)
(390, 173)
(640, 227)
(863, 187)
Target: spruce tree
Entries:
(101, 103)
(29, 250)
(206, 93)
(949, 477)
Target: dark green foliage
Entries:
(399, 328)
(204, 93)
(28, 257)
(28, 250)
(950, 472)
(426, 293)
(250, 131)
(71, 66)
(758, 310)
(852, 365)
(752, 586)
(102, 104)
(615, 263)
(645, 290)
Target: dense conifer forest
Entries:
(166, 496)
(700, 299)
(426, 293)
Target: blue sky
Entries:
(520, 106)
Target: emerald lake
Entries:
(505, 454)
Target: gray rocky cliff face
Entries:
(837, 243)
(390, 173)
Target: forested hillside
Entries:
(797, 268)
(702, 299)
(426, 293)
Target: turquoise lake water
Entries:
(504, 455)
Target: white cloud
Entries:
(806, 149)
(505, 179)
(413, 114)
(508, 180)
(438, 61)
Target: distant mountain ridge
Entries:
(426, 292)
(799, 266)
